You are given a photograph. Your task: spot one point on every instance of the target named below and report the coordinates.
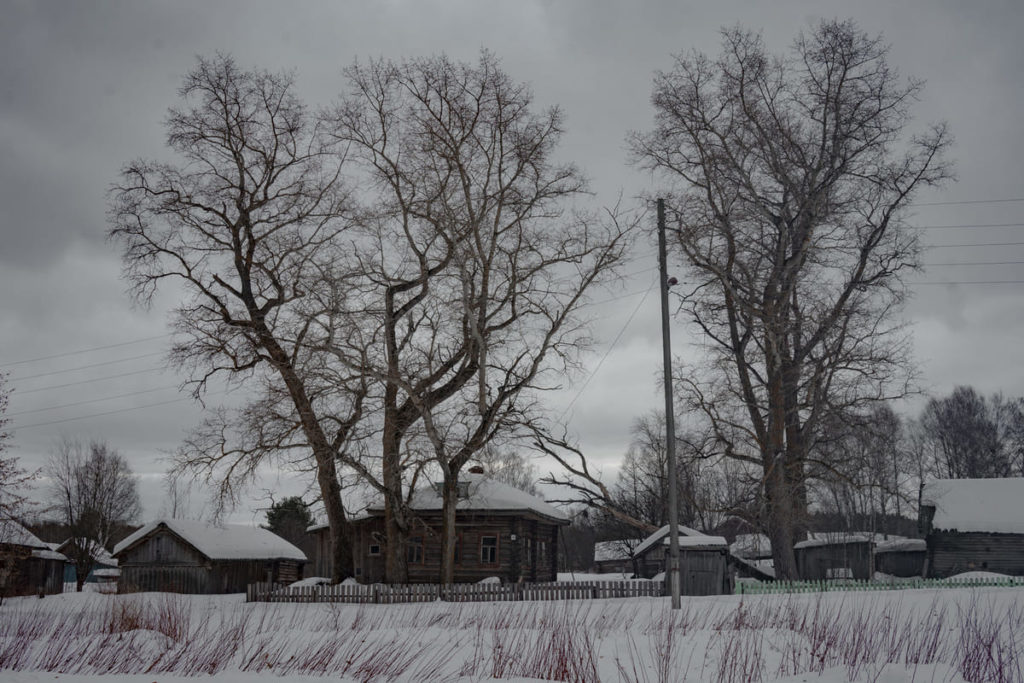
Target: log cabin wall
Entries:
(821, 562)
(510, 547)
(951, 552)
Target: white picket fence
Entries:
(386, 594)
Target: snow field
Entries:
(884, 637)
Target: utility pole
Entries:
(670, 420)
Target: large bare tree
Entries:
(474, 268)
(792, 175)
(93, 492)
(249, 222)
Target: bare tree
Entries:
(14, 479)
(250, 223)
(508, 466)
(793, 174)
(473, 267)
(975, 436)
(94, 491)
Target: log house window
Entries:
(488, 550)
(458, 548)
(414, 550)
(374, 549)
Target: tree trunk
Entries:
(339, 528)
(450, 500)
(396, 526)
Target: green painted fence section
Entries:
(768, 587)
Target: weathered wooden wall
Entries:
(532, 556)
(163, 562)
(903, 563)
(31, 575)
(814, 562)
(951, 553)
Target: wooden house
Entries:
(703, 561)
(900, 556)
(750, 557)
(500, 532)
(835, 555)
(104, 567)
(180, 556)
(612, 557)
(973, 525)
(27, 565)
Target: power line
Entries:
(979, 225)
(971, 201)
(608, 351)
(94, 400)
(88, 381)
(73, 353)
(977, 263)
(86, 367)
(976, 244)
(968, 282)
(104, 414)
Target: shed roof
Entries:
(226, 542)
(688, 538)
(986, 505)
(821, 539)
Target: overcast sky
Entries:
(84, 87)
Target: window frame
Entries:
(413, 544)
(496, 548)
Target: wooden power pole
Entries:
(670, 421)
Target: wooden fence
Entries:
(766, 587)
(385, 594)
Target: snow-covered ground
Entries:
(881, 637)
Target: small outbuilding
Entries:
(973, 525)
(27, 565)
(703, 560)
(835, 555)
(181, 556)
(611, 557)
(104, 566)
(902, 557)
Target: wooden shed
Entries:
(27, 565)
(104, 567)
(973, 525)
(180, 556)
(835, 555)
(615, 556)
(703, 561)
(501, 532)
(900, 556)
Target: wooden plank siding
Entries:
(951, 553)
(526, 549)
(164, 562)
(817, 562)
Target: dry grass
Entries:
(727, 640)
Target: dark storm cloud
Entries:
(84, 87)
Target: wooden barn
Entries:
(104, 568)
(835, 555)
(611, 557)
(180, 556)
(703, 561)
(27, 565)
(973, 525)
(501, 532)
(902, 557)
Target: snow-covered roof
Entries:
(898, 545)
(226, 542)
(485, 494)
(610, 551)
(688, 538)
(47, 554)
(988, 505)
(833, 538)
(100, 554)
(15, 534)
